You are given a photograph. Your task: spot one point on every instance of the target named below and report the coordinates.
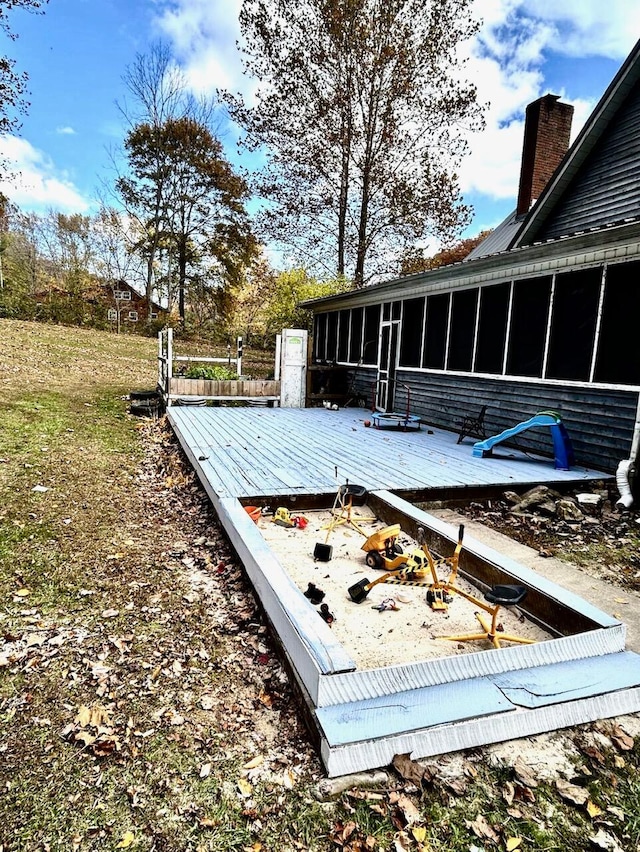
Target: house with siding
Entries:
(124, 305)
(542, 315)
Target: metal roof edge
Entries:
(607, 243)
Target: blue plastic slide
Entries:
(562, 449)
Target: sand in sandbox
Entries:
(375, 638)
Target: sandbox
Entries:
(394, 624)
(380, 683)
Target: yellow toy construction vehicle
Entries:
(383, 550)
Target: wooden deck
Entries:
(363, 717)
(261, 452)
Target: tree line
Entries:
(59, 268)
(360, 116)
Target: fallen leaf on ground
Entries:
(458, 786)
(571, 792)
(410, 812)
(288, 779)
(408, 769)
(606, 841)
(83, 716)
(524, 773)
(342, 832)
(245, 788)
(622, 739)
(513, 843)
(110, 613)
(265, 698)
(593, 810)
(127, 839)
(402, 842)
(482, 829)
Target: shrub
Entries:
(215, 372)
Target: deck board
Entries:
(286, 451)
(407, 711)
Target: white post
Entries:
(276, 368)
(169, 363)
(160, 368)
(239, 356)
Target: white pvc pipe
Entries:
(626, 470)
(622, 481)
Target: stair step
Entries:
(452, 702)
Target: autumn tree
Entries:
(359, 110)
(203, 223)
(112, 260)
(21, 271)
(157, 93)
(248, 298)
(290, 288)
(65, 242)
(418, 261)
(48, 266)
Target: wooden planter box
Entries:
(228, 389)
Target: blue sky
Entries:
(77, 52)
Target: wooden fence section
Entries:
(240, 390)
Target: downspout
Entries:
(628, 468)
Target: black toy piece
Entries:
(314, 594)
(327, 616)
(359, 591)
(322, 552)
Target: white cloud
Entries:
(589, 27)
(570, 27)
(33, 183)
(507, 63)
(65, 131)
(204, 34)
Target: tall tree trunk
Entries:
(344, 197)
(182, 278)
(149, 287)
(367, 166)
(361, 252)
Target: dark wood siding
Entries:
(607, 187)
(600, 422)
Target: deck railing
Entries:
(177, 389)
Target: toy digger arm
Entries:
(454, 558)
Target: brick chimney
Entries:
(547, 129)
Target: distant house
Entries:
(123, 301)
(96, 303)
(543, 314)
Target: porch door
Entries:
(386, 379)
